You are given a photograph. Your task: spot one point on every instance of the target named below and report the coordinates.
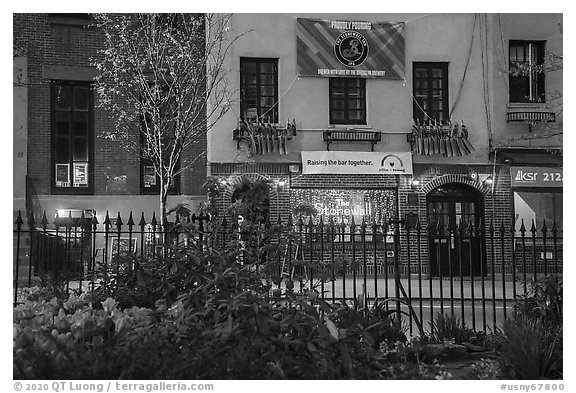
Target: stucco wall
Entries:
(537, 27)
(436, 37)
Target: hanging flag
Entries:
(329, 48)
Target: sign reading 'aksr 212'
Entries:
(527, 176)
(348, 162)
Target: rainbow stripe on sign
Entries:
(350, 48)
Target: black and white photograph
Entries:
(264, 196)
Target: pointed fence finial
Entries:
(119, 222)
(82, 222)
(142, 222)
(533, 228)
(130, 222)
(44, 221)
(544, 229)
(31, 220)
(107, 220)
(19, 221)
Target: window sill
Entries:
(68, 191)
(526, 105)
(350, 126)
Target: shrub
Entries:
(532, 349)
(532, 341)
(542, 301)
(211, 313)
(449, 328)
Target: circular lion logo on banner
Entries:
(351, 48)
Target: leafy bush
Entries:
(532, 341)
(542, 301)
(449, 328)
(532, 349)
(196, 312)
(69, 340)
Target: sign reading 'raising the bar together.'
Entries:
(348, 162)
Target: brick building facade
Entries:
(54, 52)
(426, 70)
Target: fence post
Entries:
(132, 254)
(32, 230)
(471, 229)
(502, 230)
(512, 232)
(18, 223)
(94, 251)
(82, 223)
(396, 223)
(119, 224)
(534, 253)
(523, 237)
(554, 240)
(42, 246)
(107, 224)
(544, 231)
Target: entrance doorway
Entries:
(454, 212)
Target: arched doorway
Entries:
(454, 215)
(255, 197)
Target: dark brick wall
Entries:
(70, 47)
(497, 205)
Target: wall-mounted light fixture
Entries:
(281, 183)
(489, 180)
(294, 168)
(414, 183)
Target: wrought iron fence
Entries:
(419, 268)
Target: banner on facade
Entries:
(352, 162)
(528, 176)
(331, 48)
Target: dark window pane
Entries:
(80, 149)
(338, 115)
(338, 104)
(267, 101)
(266, 68)
(355, 105)
(62, 120)
(267, 79)
(437, 73)
(420, 73)
(81, 98)
(249, 67)
(81, 124)
(251, 91)
(63, 97)
(268, 91)
(62, 150)
(355, 115)
(421, 84)
(251, 79)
